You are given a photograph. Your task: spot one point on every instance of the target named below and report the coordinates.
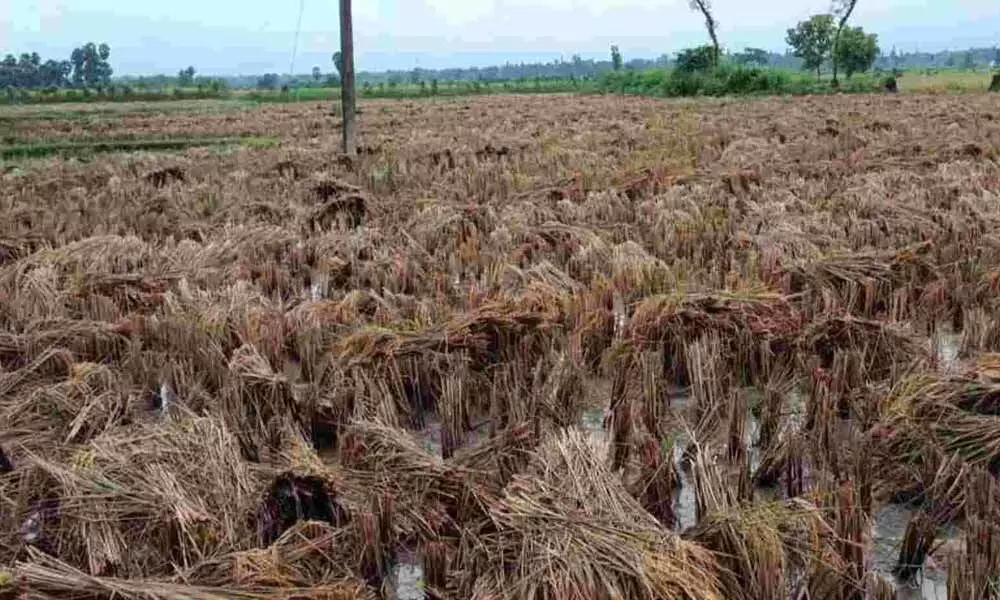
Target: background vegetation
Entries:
(821, 45)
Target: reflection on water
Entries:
(947, 346)
(890, 526)
(409, 579)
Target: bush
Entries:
(724, 80)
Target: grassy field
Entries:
(945, 81)
(519, 347)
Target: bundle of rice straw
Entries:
(259, 404)
(429, 496)
(47, 578)
(135, 503)
(566, 528)
(761, 547)
(754, 326)
(881, 348)
(867, 283)
(310, 554)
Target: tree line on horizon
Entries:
(811, 47)
(88, 66)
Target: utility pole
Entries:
(347, 77)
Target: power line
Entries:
(298, 31)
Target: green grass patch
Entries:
(87, 148)
(112, 110)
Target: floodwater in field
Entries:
(408, 578)
(888, 528)
(947, 348)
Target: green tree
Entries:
(616, 58)
(969, 61)
(268, 81)
(753, 56)
(338, 63)
(695, 60)
(856, 52)
(185, 77)
(317, 74)
(812, 40)
(90, 65)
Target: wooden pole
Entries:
(347, 77)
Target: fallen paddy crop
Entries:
(539, 348)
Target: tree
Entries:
(186, 77)
(695, 60)
(705, 8)
(856, 51)
(338, 63)
(842, 8)
(55, 74)
(90, 65)
(812, 40)
(317, 74)
(753, 56)
(268, 81)
(616, 58)
(969, 61)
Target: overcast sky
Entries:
(255, 36)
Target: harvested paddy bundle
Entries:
(657, 482)
(711, 389)
(597, 322)
(430, 497)
(763, 548)
(917, 545)
(48, 578)
(868, 284)
(973, 574)
(634, 268)
(111, 254)
(91, 341)
(90, 401)
(502, 456)
(309, 554)
(936, 429)
(874, 350)
(838, 570)
(567, 528)
(753, 327)
(258, 403)
(980, 329)
(443, 230)
(134, 503)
